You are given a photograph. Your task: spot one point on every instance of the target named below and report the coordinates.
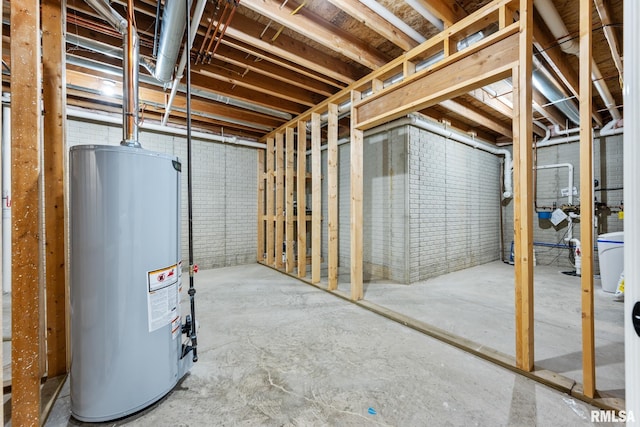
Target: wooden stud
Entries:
(523, 185)
(377, 85)
(279, 243)
(332, 195)
(26, 149)
(302, 198)
(316, 199)
(586, 201)
(357, 167)
(270, 212)
(289, 191)
(262, 176)
(54, 95)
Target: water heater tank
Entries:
(125, 276)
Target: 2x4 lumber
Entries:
(356, 223)
(471, 72)
(332, 195)
(26, 149)
(289, 186)
(301, 199)
(586, 202)
(523, 184)
(375, 22)
(316, 198)
(262, 177)
(447, 11)
(477, 116)
(270, 211)
(319, 30)
(54, 96)
(244, 28)
(279, 243)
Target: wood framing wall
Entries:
(505, 53)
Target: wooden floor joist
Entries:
(26, 286)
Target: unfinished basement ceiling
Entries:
(278, 58)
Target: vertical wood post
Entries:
(270, 213)
(261, 206)
(332, 195)
(26, 149)
(279, 200)
(357, 166)
(586, 201)
(290, 182)
(523, 195)
(54, 93)
(316, 199)
(302, 198)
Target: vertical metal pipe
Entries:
(130, 78)
(192, 290)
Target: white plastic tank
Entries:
(611, 259)
(125, 257)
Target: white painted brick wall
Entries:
(453, 206)
(224, 191)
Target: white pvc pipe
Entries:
(563, 165)
(394, 20)
(574, 138)
(195, 23)
(6, 199)
(631, 93)
(418, 7)
(104, 118)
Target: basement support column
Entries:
(316, 198)
(332, 195)
(357, 166)
(26, 149)
(523, 185)
(586, 201)
(301, 198)
(270, 213)
(55, 96)
(631, 149)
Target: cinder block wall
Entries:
(224, 191)
(454, 199)
(608, 159)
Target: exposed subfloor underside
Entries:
(274, 351)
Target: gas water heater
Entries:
(126, 329)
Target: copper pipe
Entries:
(213, 36)
(206, 36)
(226, 25)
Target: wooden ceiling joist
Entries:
(449, 12)
(311, 26)
(375, 22)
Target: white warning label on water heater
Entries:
(162, 297)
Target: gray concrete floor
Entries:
(276, 352)
(478, 304)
